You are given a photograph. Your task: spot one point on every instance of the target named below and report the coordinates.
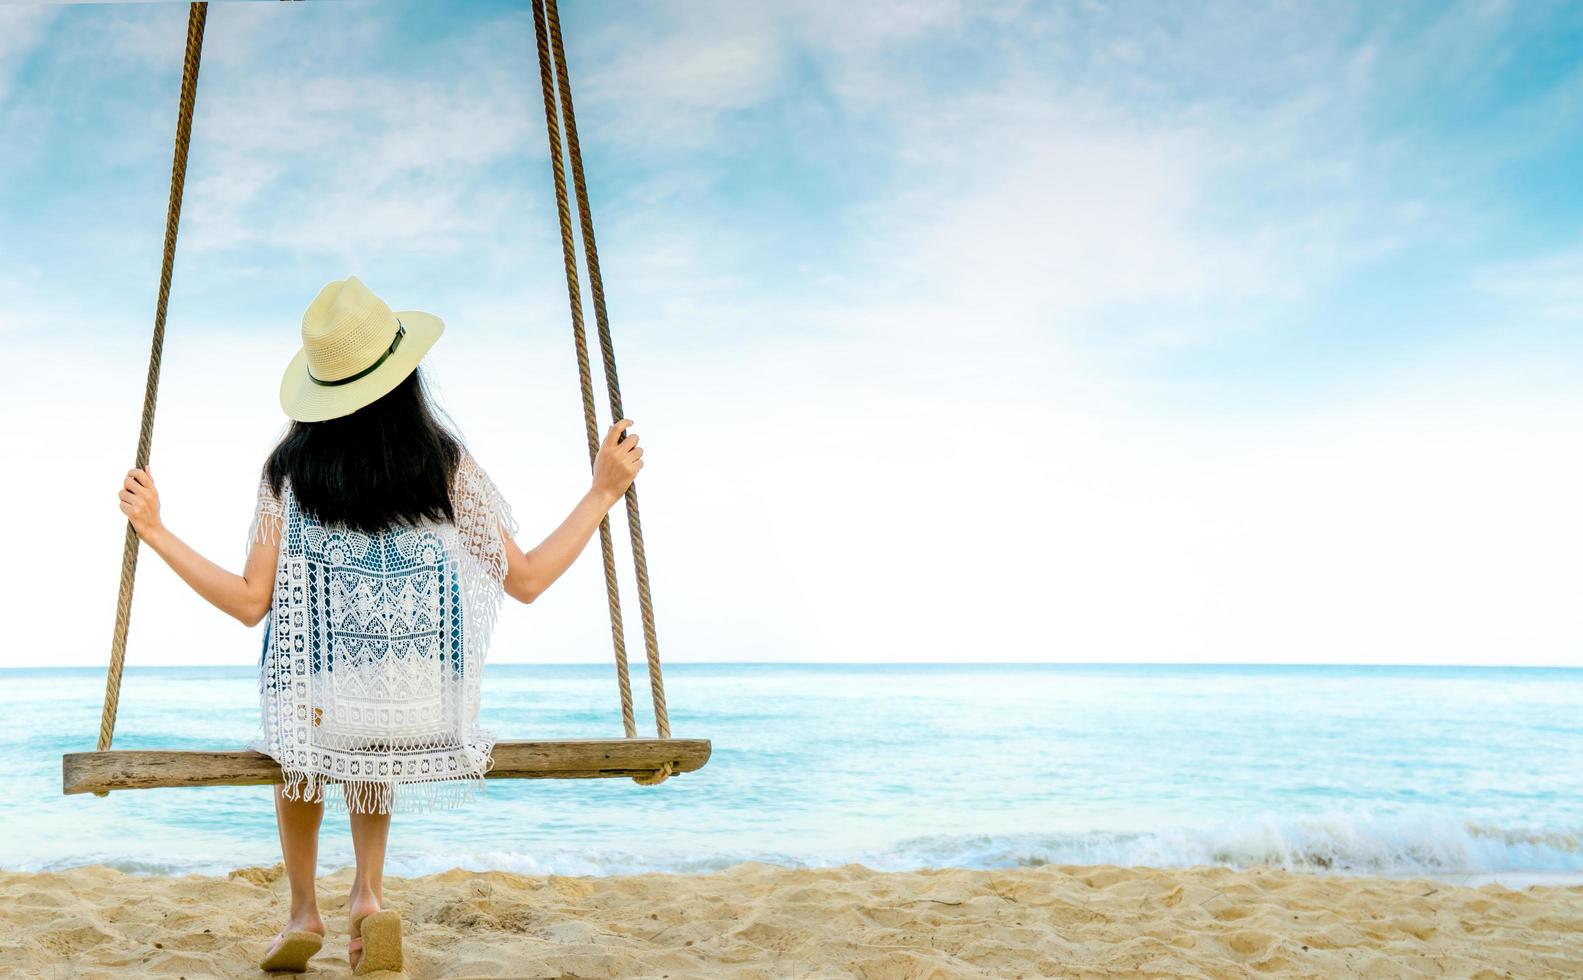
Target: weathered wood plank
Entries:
(578, 758)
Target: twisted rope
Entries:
(196, 15)
(612, 382)
(546, 21)
(584, 372)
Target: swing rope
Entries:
(547, 30)
(196, 15)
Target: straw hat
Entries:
(354, 350)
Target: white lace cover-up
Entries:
(374, 651)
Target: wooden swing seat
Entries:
(575, 758)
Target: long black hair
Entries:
(389, 462)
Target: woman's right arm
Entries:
(616, 464)
(246, 596)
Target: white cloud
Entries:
(1549, 285)
(1060, 219)
(21, 28)
(685, 85)
(1023, 185)
(307, 143)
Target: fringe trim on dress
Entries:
(381, 796)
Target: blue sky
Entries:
(1022, 331)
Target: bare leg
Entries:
(370, 832)
(299, 850)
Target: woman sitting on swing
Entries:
(379, 551)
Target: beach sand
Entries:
(763, 921)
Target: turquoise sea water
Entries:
(1447, 771)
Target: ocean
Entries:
(1460, 773)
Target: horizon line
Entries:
(896, 663)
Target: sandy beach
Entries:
(765, 921)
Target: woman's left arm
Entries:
(245, 596)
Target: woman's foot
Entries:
(307, 922)
(379, 944)
(294, 945)
(358, 907)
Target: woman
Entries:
(379, 551)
